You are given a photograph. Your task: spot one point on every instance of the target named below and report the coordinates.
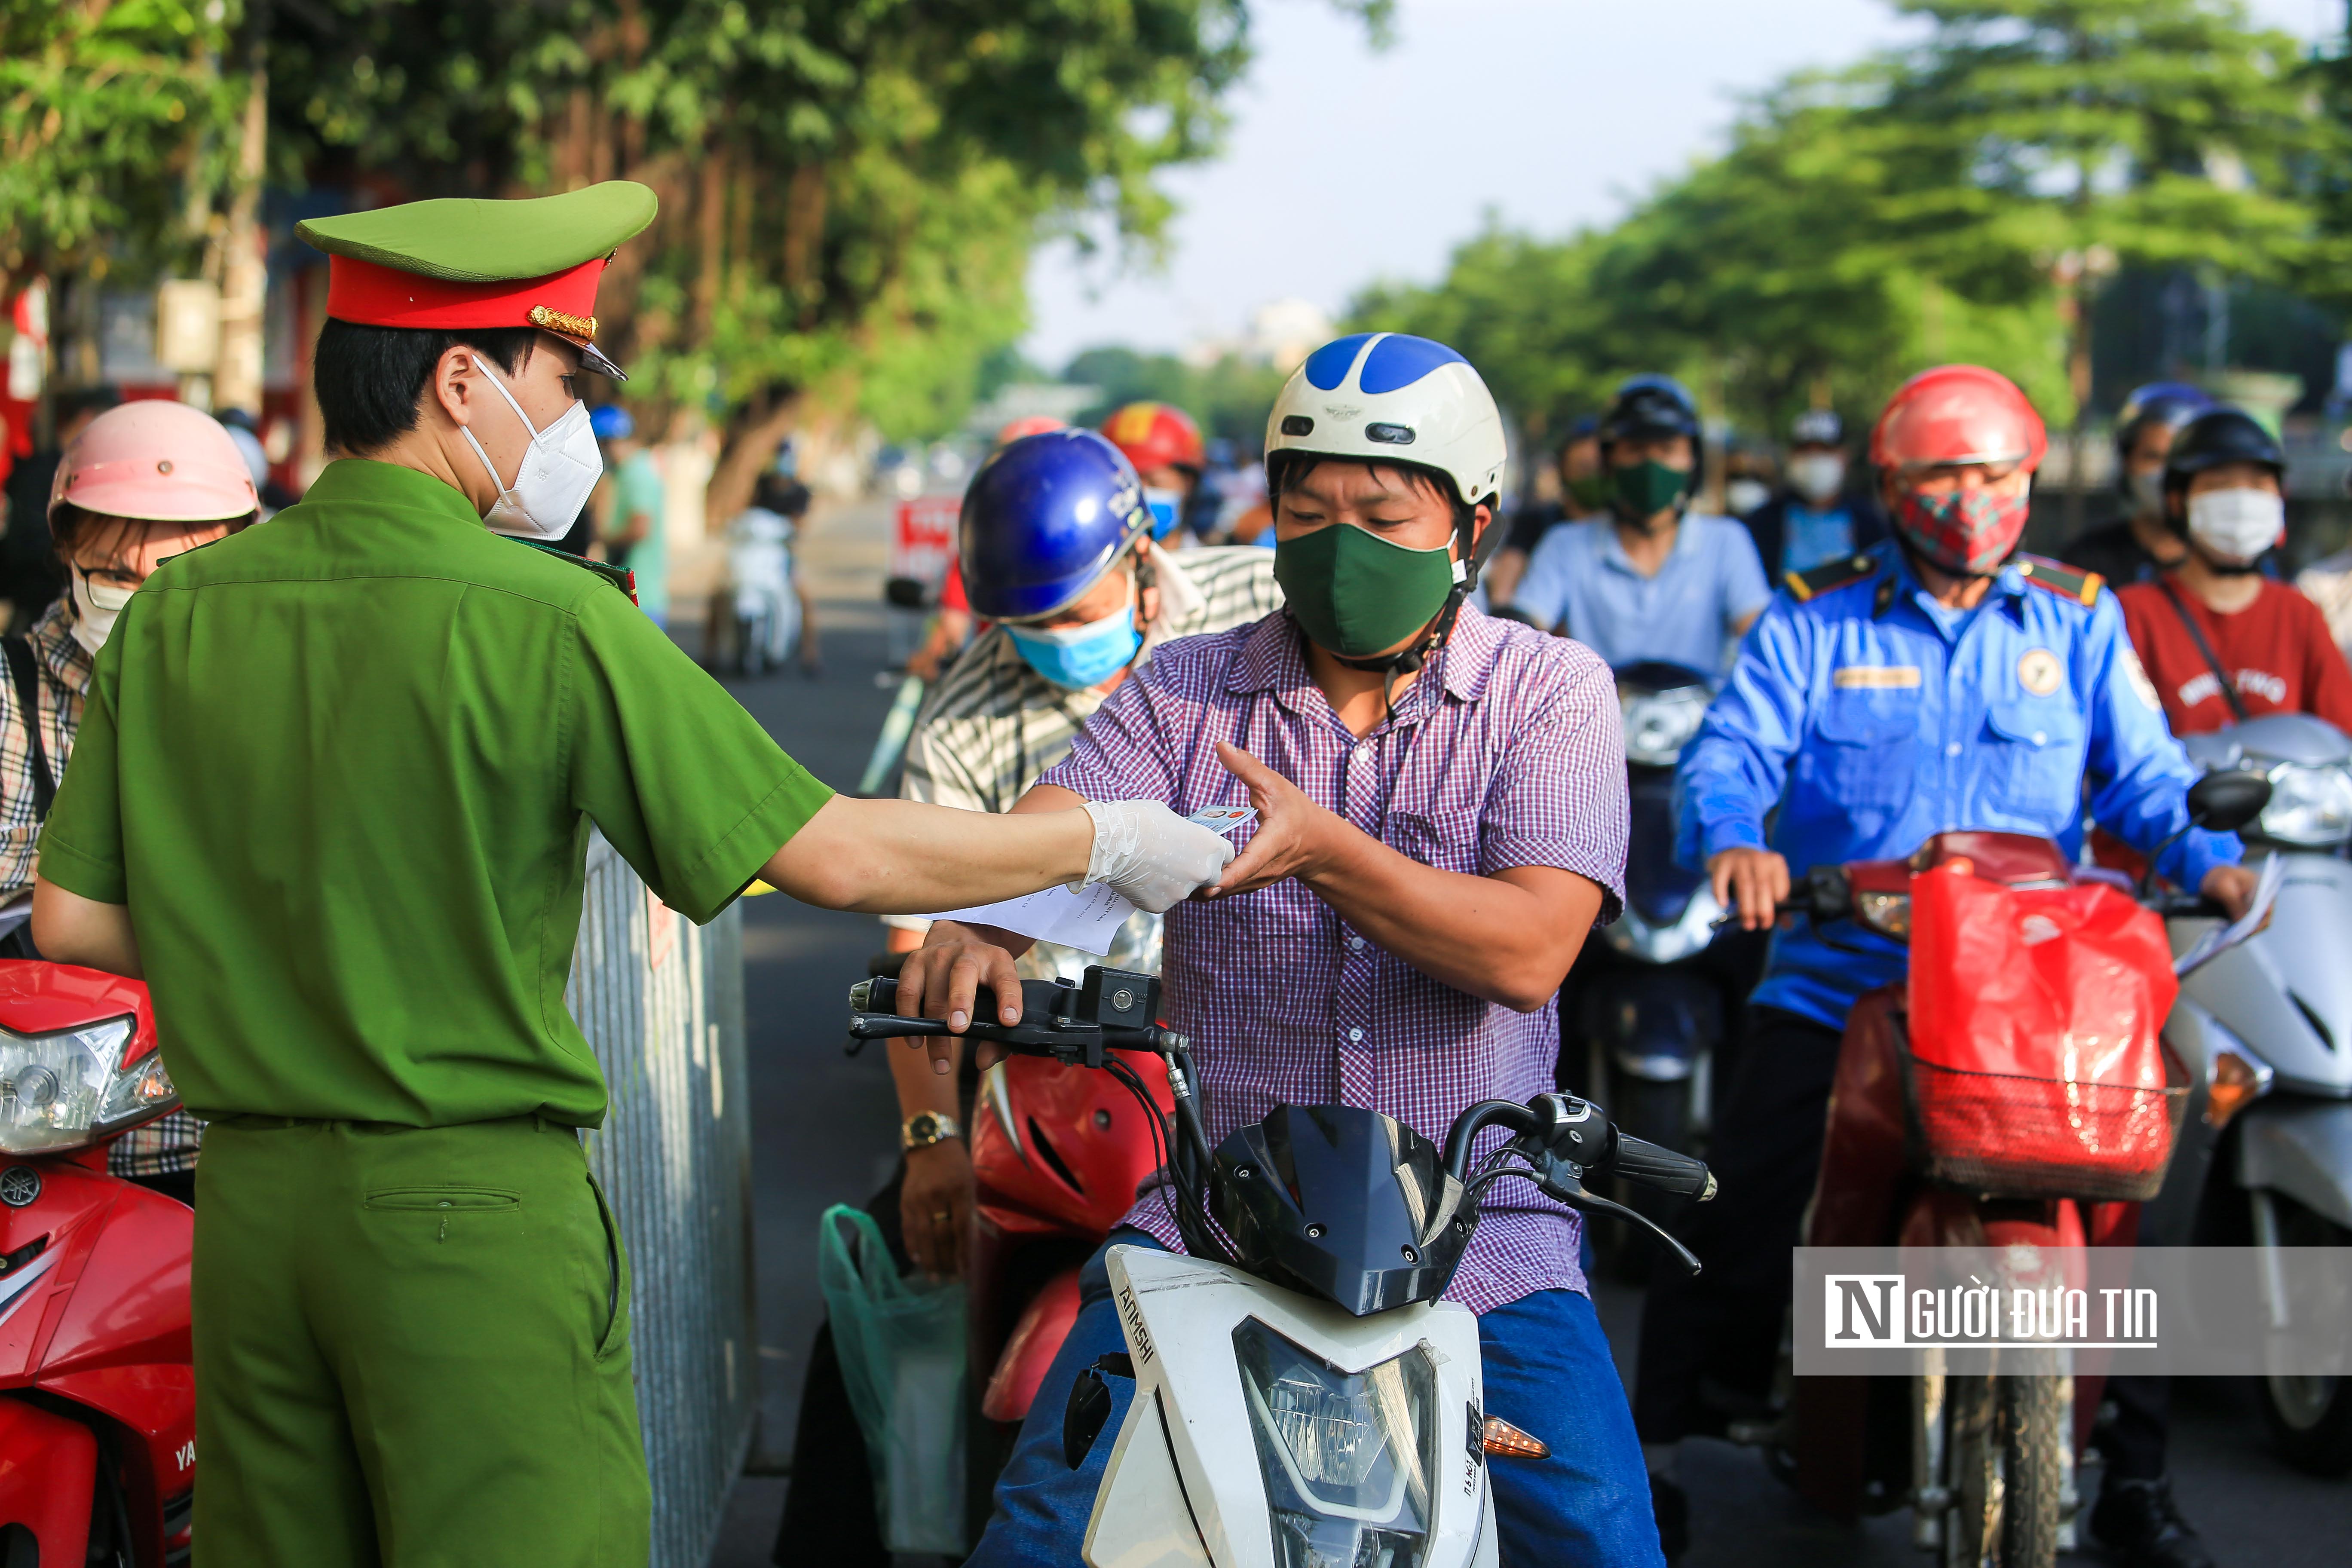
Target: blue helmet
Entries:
(611, 421)
(2173, 403)
(1045, 518)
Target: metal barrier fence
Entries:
(661, 1001)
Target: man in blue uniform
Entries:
(1933, 681)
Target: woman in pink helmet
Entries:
(143, 482)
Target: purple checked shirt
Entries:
(1508, 750)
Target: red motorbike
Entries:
(2006, 1144)
(1058, 1155)
(97, 1423)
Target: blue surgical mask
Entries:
(1081, 655)
(1166, 507)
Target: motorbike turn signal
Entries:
(1503, 1438)
(2234, 1084)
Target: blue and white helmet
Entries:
(1394, 399)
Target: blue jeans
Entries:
(1548, 1372)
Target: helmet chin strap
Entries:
(2219, 567)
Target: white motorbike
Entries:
(1302, 1395)
(758, 621)
(2265, 1027)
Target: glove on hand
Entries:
(1149, 855)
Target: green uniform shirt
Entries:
(342, 768)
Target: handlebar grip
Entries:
(1646, 1163)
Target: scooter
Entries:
(1647, 1007)
(1927, 1154)
(1321, 1403)
(2265, 1029)
(98, 1438)
(762, 622)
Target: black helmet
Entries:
(2169, 402)
(2214, 438)
(1344, 1203)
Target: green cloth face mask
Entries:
(1355, 594)
(1646, 489)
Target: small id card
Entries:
(1223, 818)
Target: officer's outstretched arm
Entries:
(2138, 773)
(74, 930)
(902, 857)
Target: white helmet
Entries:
(1394, 399)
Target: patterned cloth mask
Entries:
(1969, 532)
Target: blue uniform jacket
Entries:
(1874, 719)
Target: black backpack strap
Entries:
(25, 670)
(2212, 662)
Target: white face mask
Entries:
(557, 472)
(1816, 476)
(2236, 524)
(95, 605)
(1744, 495)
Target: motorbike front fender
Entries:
(48, 1470)
(2301, 1149)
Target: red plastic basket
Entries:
(2008, 1136)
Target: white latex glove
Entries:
(1150, 856)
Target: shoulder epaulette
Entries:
(621, 577)
(2082, 587)
(1828, 576)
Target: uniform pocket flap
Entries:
(1864, 716)
(2036, 722)
(473, 1199)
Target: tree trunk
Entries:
(245, 262)
(750, 449)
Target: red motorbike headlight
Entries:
(62, 1090)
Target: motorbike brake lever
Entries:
(1558, 1179)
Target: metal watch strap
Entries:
(926, 1128)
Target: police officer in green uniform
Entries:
(331, 799)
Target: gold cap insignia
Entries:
(570, 326)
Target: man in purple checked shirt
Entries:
(1442, 812)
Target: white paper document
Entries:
(2222, 937)
(1086, 920)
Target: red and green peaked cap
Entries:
(463, 262)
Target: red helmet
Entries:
(1958, 414)
(1030, 425)
(1156, 435)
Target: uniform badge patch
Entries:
(1874, 677)
(2039, 672)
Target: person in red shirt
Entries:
(2222, 642)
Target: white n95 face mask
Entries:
(2240, 523)
(559, 468)
(95, 605)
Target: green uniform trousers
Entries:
(412, 1349)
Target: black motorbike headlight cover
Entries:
(1348, 1457)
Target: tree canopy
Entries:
(1961, 198)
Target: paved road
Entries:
(825, 1129)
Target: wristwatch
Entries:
(926, 1128)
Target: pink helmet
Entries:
(1958, 414)
(157, 461)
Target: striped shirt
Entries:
(1508, 750)
(169, 1143)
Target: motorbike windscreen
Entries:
(1348, 1457)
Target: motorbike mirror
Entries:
(2226, 800)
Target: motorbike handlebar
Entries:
(1639, 1160)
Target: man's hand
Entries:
(935, 1206)
(2232, 888)
(942, 978)
(1294, 838)
(1756, 878)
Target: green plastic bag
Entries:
(901, 1344)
